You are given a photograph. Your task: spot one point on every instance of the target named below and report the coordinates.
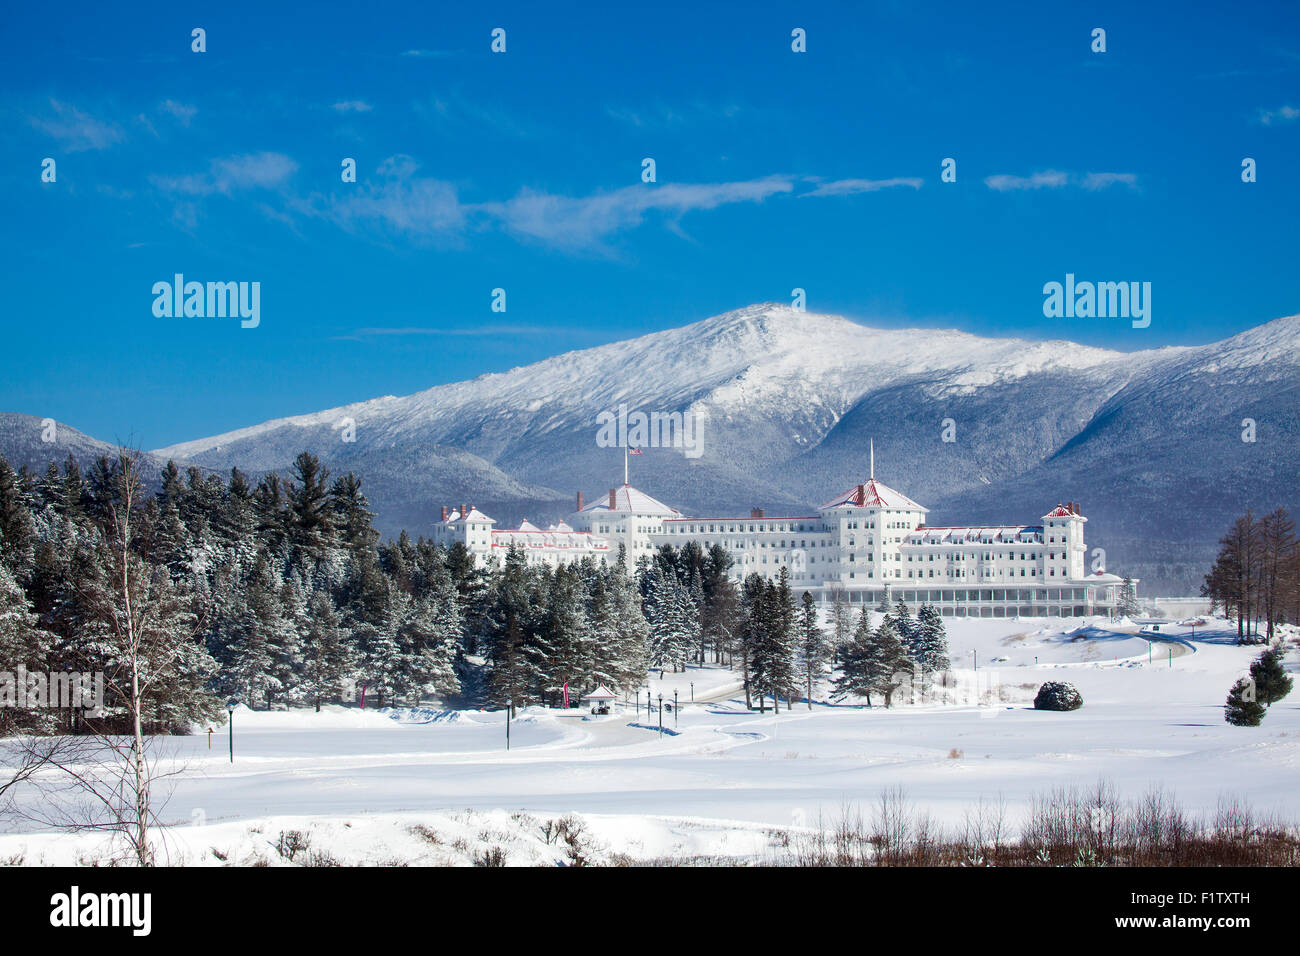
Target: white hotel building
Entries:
(868, 544)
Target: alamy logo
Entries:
(1101, 300)
(74, 908)
(210, 300)
(62, 690)
(623, 429)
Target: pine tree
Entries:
(1242, 709)
(507, 631)
(889, 666)
(631, 628)
(1272, 683)
(857, 665)
(930, 642)
(1127, 605)
(778, 645)
(17, 530)
(20, 644)
(906, 629)
(328, 660)
(841, 622)
(814, 652)
(310, 521)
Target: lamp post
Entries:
(230, 723)
(692, 692)
(508, 705)
(661, 716)
(674, 707)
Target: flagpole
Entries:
(625, 463)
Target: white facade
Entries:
(869, 544)
(553, 546)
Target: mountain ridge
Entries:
(790, 400)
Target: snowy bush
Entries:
(1057, 695)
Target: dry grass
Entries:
(1064, 827)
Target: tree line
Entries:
(279, 593)
(1256, 575)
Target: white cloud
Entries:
(1095, 181)
(1283, 114)
(75, 130)
(181, 111)
(1051, 179)
(579, 221)
(352, 106)
(232, 173)
(849, 187)
(420, 208)
(1056, 179)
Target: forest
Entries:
(211, 590)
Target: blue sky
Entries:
(522, 170)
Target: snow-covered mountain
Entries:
(1149, 441)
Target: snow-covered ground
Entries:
(440, 787)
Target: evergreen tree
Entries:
(1127, 604)
(17, 530)
(507, 631)
(814, 651)
(930, 643)
(1242, 709)
(631, 628)
(310, 522)
(328, 659)
(889, 664)
(906, 629)
(857, 662)
(1272, 683)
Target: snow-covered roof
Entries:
(874, 494)
(474, 515)
(1105, 577)
(602, 693)
(1065, 511)
(629, 500)
(527, 525)
(974, 533)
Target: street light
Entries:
(692, 692)
(230, 723)
(661, 716)
(508, 704)
(674, 707)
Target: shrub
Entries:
(1057, 695)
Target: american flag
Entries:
(634, 451)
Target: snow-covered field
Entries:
(440, 787)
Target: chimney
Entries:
(611, 499)
(860, 496)
(444, 512)
(464, 511)
(579, 508)
(756, 512)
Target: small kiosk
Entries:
(601, 699)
